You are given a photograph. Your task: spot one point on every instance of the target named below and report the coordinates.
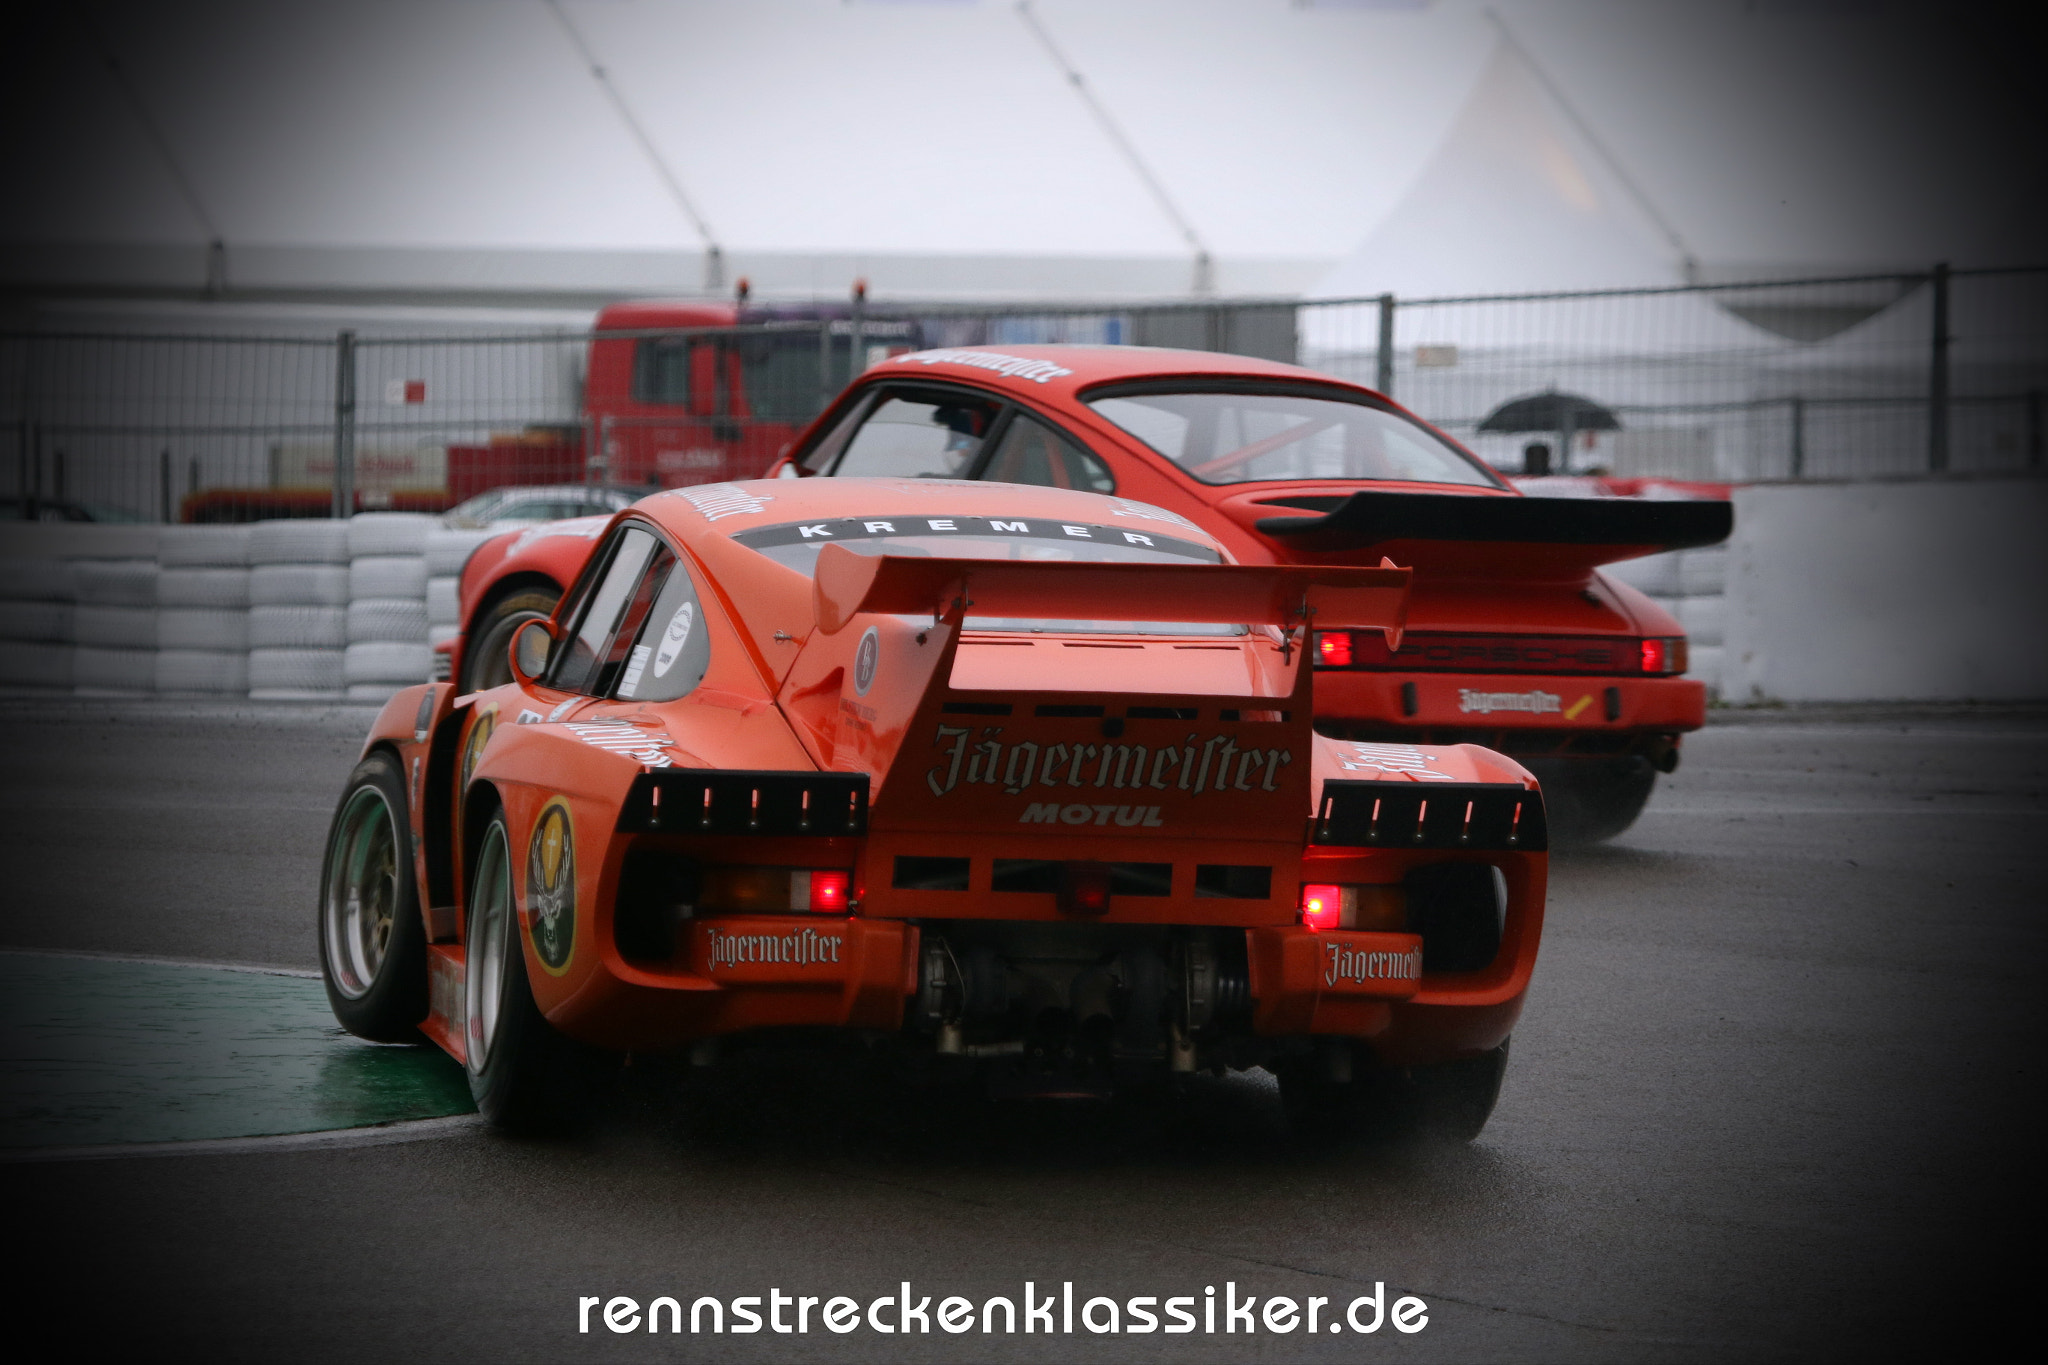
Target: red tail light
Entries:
(829, 891)
(1322, 907)
(1333, 648)
(1664, 655)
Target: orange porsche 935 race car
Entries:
(1012, 779)
(1516, 641)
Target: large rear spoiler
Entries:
(847, 584)
(1612, 528)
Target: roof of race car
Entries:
(771, 602)
(1065, 370)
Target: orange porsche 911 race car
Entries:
(1017, 781)
(1515, 641)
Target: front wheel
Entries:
(487, 660)
(373, 945)
(524, 1075)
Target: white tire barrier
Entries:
(388, 576)
(298, 628)
(298, 671)
(26, 663)
(447, 549)
(1657, 575)
(115, 627)
(396, 620)
(206, 587)
(203, 629)
(299, 585)
(389, 533)
(203, 547)
(113, 670)
(299, 542)
(38, 621)
(387, 662)
(38, 580)
(194, 670)
(444, 601)
(440, 635)
(116, 582)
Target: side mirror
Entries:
(531, 645)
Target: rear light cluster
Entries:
(1447, 652)
(1380, 908)
(776, 889)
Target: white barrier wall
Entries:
(1920, 590)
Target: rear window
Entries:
(796, 545)
(1225, 437)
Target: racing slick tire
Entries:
(524, 1076)
(1447, 1102)
(373, 943)
(489, 663)
(1588, 800)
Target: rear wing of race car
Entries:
(848, 584)
(1141, 730)
(1518, 536)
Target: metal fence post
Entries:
(163, 481)
(824, 363)
(2034, 406)
(1937, 378)
(1383, 374)
(1798, 437)
(344, 423)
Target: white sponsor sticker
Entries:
(865, 660)
(636, 662)
(1347, 963)
(1536, 703)
(1015, 366)
(1404, 760)
(716, 500)
(674, 638)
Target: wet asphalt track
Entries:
(1773, 1097)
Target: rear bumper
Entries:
(1532, 706)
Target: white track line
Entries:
(383, 1134)
(259, 969)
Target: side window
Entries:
(581, 660)
(909, 435)
(820, 457)
(1032, 452)
(674, 648)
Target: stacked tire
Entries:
(202, 618)
(446, 552)
(387, 610)
(115, 627)
(38, 612)
(298, 610)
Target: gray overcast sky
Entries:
(1879, 134)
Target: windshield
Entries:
(1239, 437)
(796, 545)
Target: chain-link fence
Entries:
(1846, 377)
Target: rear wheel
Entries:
(1587, 800)
(524, 1075)
(487, 662)
(1446, 1102)
(373, 945)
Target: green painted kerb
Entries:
(99, 1051)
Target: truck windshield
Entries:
(797, 545)
(1234, 436)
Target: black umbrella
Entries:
(1550, 411)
